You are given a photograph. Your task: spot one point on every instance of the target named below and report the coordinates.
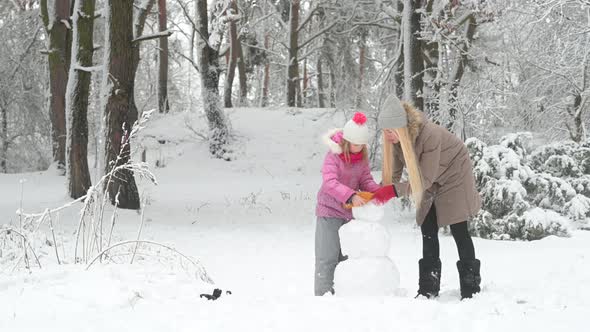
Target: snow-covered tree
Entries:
(25, 128)
(210, 28)
(77, 97)
(124, 32)
(163, 104)
(56, 19)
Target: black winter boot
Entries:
(429, 282)
(469, 277)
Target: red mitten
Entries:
(384, 194)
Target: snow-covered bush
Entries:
(529, 195)
(581, 185)
(578, 209)
(564, 159)
(548, 191)
(502, 197)
(518, 142)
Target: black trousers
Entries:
(430, 245)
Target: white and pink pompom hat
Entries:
(355, 130)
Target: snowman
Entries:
(367, 271)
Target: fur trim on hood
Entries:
(330, 143)
(416, 120)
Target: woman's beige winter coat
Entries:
(447, 173)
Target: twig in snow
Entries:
(25, 243)
(53, 235)
(203, 273)
(22, 189)
(139, 232)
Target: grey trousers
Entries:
(327, 253)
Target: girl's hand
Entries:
(358, 200)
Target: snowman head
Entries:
(368, 212)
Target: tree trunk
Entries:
(398, 69)
(241, 63)
(242, 76)
(4, 136)
(140, 17)
(434, 73)
(236, 59)
(292, 62)
(362, 51)
(266, 79)
(332, 87)
(229, 82)
(577, 132)
(321, 97)
(58, 57)
(163, 104)
(413, 61)
(398, 75)
(231, 60)
(322, 56)
(78, 91)
(305, 82)
(209, 64)
(460, 70)
(120, 110)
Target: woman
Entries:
(441, 184)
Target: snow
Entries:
(366, 276)
(250, 223)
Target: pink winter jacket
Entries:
(340, 181)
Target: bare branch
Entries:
(261, 20)
(319, 33)
(25, 53)
(565, 77)
(308, 18)
(191, 61)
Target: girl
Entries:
(345, 170)
(441, 184)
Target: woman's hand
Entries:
(384, 194)
(391, 136)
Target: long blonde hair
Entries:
(410, 160)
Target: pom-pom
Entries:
(359, 118)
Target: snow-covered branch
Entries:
(89, 69)
(166, 33)
(318, 34)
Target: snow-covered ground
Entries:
(250, 222)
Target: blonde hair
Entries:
(345, 145)
(410, 160)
